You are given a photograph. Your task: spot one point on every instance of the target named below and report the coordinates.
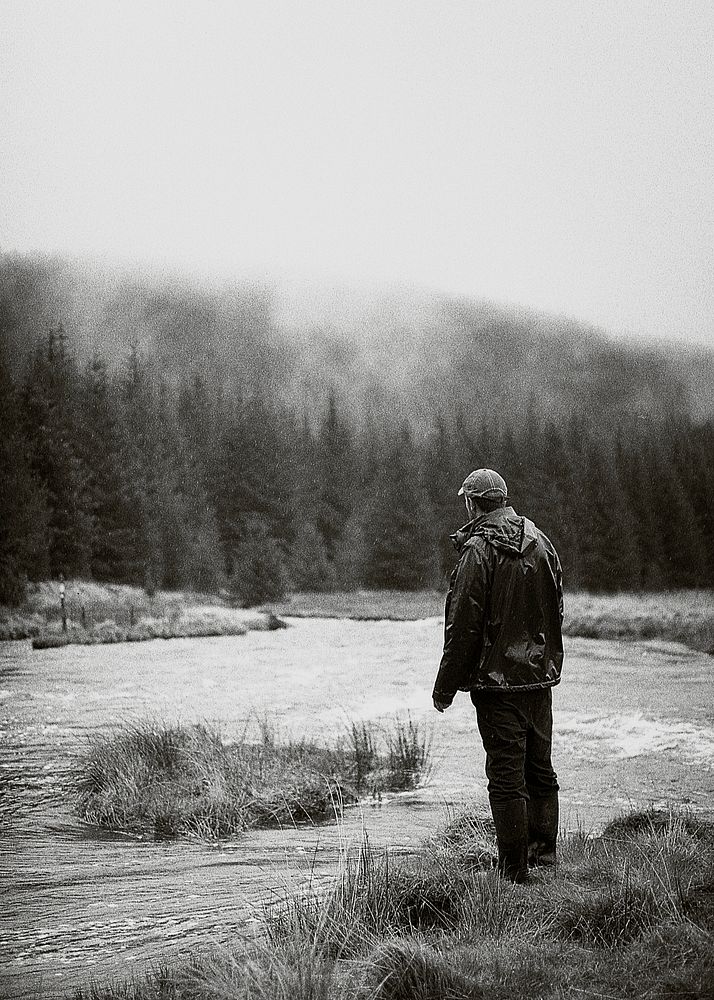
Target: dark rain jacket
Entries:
(504, 609)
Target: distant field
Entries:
(685, 616)
(368, 605)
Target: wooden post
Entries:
(63, 608)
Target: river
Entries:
(633, 727)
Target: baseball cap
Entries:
(484, 483)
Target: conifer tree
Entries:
(140, 450)
(609, 551)
(310, 567)
(336, 469)
(695, 462)
(552, 502)
(258, 564)
(99, 442)
(50, 412)
(401, 552)
(251, 476)
(683, 556)
(442, 478)
(191, 549)
(634, 458)
(24, 516)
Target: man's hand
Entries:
(440, 705)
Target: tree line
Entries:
(119, 475)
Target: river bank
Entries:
(107, 613)
(628, 913)
(111, 613)
(685, 616)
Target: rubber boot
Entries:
(542, 829)
(511, 822)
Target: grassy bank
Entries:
(169, 780)
(105, 613)
(627, 914)
(364, 605)
(118, 613)
(685, 616)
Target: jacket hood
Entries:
(502, 528)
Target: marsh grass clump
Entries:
(468, 837)
(109, 613)
(610, 916)
(362, 743)
(408, 755)
(414, 970)
(655, 821)
(170, 780)
(433, 926)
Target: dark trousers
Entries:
(516, 729)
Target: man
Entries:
(503, 644)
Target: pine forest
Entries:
(132, 463)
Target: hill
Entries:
(401, 351)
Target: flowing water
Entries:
(633, 727)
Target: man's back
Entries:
(504, 608)
(522, 645)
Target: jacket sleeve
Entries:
(465, 620)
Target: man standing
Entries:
(503, 644)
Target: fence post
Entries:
(63, 608)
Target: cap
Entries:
(484, 483)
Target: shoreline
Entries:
(102, 613)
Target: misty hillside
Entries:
(158, 432)
(403, 352)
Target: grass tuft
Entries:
(470, 838)
(412, 970)
(664, 822)
(609, 917)
(170, 780)
(409, 750)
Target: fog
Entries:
(554, 156)
(397, 350)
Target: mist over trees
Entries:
(160, 435)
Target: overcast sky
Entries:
(555, 155)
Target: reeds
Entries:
(170, 780)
